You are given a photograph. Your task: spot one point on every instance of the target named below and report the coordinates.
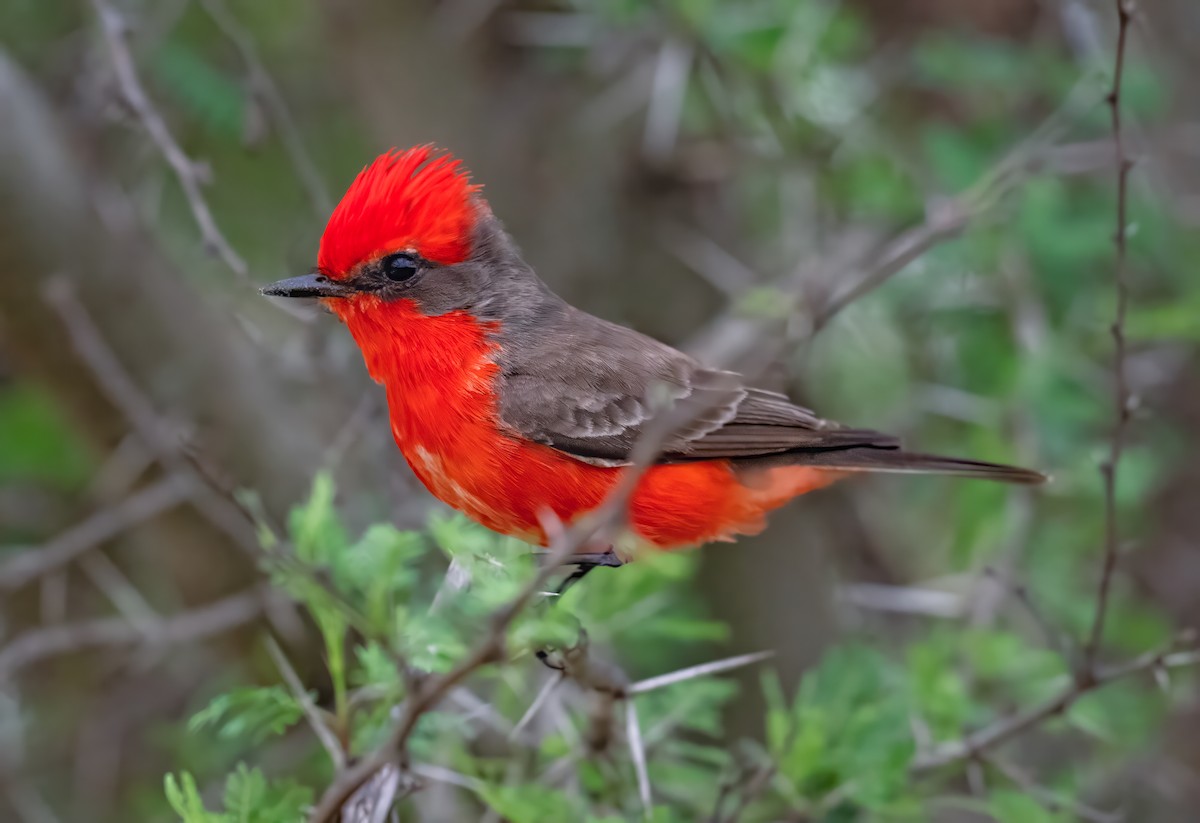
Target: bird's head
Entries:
(413, 228)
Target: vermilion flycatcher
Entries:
(507, 402)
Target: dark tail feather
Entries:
(895, 460)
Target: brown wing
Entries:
(588, 387)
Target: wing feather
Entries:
(589, 387)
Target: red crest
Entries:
(416, 199)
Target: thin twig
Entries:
(441, 774)
(320, 728)
(702, 670)
(1121, 396)
(945, 221)
(186, 171)
(1089, 677)
(542, 696)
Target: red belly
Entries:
(506, 485)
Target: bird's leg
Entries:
(584, 562)
(581, 570)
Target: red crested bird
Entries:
(507, 402)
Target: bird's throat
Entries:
(439, 372)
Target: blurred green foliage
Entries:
(41, 446)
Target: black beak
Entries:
(306, 285)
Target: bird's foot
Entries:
(584, 562)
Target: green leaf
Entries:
(1015, 807)
(375, 668)
(848, 736)
(183, 796)
(315, 528)
(382, 566)
(249, 798)
(938, 687)
(530, 803)
(249, 713)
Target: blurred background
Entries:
(678, 166)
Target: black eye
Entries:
(400, 267)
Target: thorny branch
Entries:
(187, 172)
(1090, 676)
(945, 219)
(431, 690)
(1122, 400)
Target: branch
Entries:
(973, 746)
(1121, 395)
(945, 221)
(1050, 799)
(701, 670)
(99, 528)
(121, 390)
(262, 83)
(430, 692)
(215, 618)
(1089, 677)
(150, 321)
(186, 170)
(637, 750)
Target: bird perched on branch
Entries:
(509, 403)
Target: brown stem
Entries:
(1121, 396)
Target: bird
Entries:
(520, 410)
